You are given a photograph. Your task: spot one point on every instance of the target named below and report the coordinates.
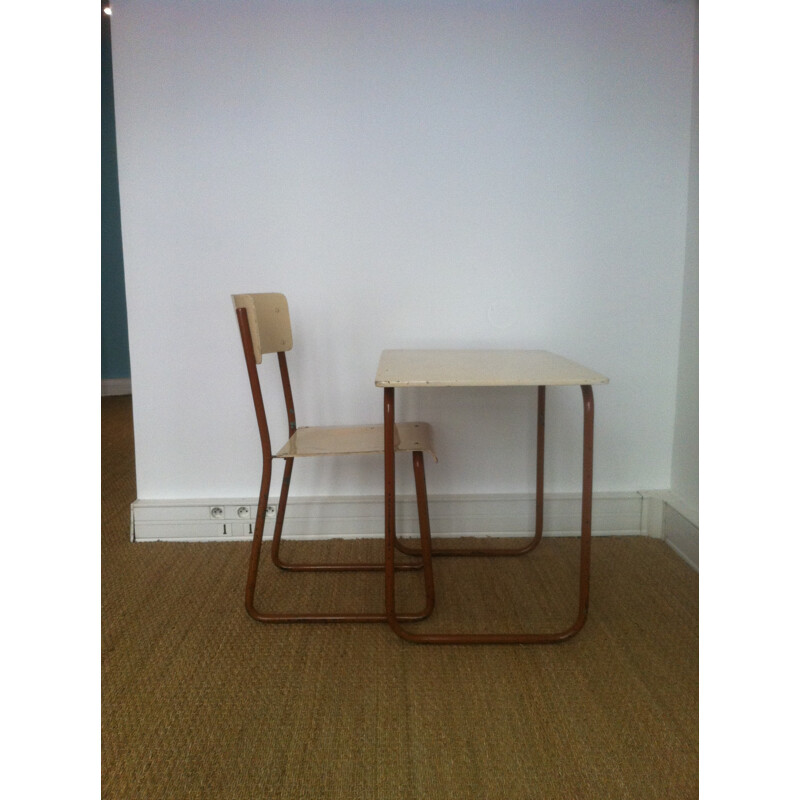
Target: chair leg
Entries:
(255, 557)
(424, 528)
(293, 566)
(539, 519)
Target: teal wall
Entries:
(115, 361)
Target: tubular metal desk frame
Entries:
(487, 368)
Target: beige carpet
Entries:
(199, 701)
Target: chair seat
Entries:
(360, 439)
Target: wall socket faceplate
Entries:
(232, 512)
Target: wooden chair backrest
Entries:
(270, 326)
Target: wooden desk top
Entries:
(419, 368)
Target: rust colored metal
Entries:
(539, 510)
(585, 543)
(261, 512)
(293, 566)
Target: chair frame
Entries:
(266, 477)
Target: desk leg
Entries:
(389, 490)
(585, 545)
(390, 532)
(539, 518)
(586, 504)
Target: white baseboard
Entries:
(115, 386)
(613, 514)
(668, 517)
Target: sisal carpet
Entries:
(199, 701)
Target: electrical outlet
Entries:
(271, 511)
(217, 512)
(243, 512)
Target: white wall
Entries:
(410, 174)
(685, 453)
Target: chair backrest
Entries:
(270, 326)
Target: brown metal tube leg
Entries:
(585, 553)
(539, 523)
(390, 536)
(586, 504)
(424, 527)
(255, 554)
(279, 516)
(252, 572)
(258, 536)
(539, 511)
(290, 566)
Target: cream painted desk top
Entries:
(481, 368)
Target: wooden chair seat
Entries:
(357, 440)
